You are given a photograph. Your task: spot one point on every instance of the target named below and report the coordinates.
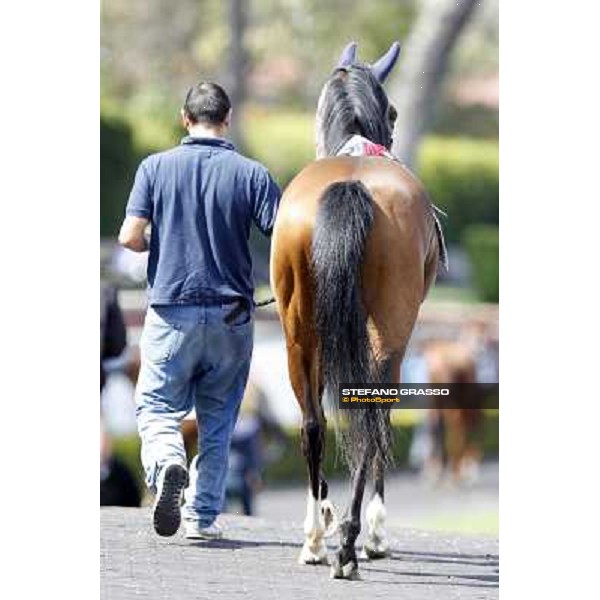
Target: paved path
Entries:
(258, 561)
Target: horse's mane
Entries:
(352, 102)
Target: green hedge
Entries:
(473, 121)
(117, 165)
(461, 176)
(482, 245)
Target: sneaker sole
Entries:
(167, 511)
(200, 536)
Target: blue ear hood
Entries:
(348, 56)
(382, 68)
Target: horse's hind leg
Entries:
(313, 551)
(346, 563)
(376, 543)
(291, 277)
(302, 369)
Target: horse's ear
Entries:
(381, 69)
(348, 56)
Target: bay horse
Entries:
(456, 431)
(355, 248)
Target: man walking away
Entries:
(200, 198)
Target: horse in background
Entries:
(456, 432)
(355, 248)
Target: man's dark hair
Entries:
(207, 102)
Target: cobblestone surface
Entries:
(258, 561)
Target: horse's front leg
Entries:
(376, 543)
(346, 562)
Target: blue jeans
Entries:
(191, 358)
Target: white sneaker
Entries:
(166, 515)
(193, 531)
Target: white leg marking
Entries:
(330, 518)
(347, 569)
(314, 551)
(311, 521)
(376, 544)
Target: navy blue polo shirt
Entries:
(202, 198)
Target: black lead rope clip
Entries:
(266, 302)
(242, 306)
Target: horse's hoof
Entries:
(313, 556)
(375, 551)
(347, 571)
(330, 518)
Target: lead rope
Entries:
(266, 302)
(242, 306)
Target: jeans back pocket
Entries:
(160, 338)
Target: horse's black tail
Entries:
(344, 219)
